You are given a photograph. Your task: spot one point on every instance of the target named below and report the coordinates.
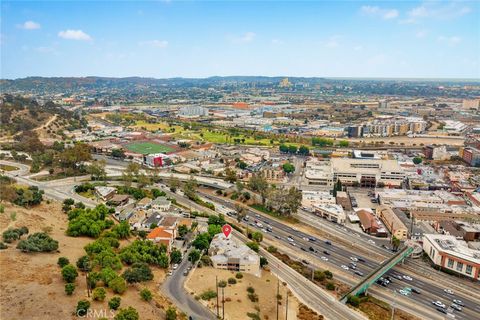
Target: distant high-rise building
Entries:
(383, 104)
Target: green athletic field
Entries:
(148, 147)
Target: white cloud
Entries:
(244, 38)
(155, 43)
(74, 35)
(332, 42)
(30, 25)
(451, 41)
(437, 10)
(385, 14)
(277, 41)
(358, 48)
(421, 33)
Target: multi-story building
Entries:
(331, 212)
(393, 223)
(362, 172)
(449, 253)
(230, 254)
(470, 155)
(436, 153)
(193, 111)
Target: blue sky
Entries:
(432, 39)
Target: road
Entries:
(173, 287)
(338, 255)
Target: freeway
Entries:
(339, 255)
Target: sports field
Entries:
(148, 147)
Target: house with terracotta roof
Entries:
(369, 223)
(162, 235)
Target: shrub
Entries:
(328, 274)
(330, 286)
(38, 242)
(3, 246)
(114, 303)
(99, 294)
(118, 285)
(353, 300)
(253, 297)
(62, 262)
(127, 314)
(82, 308)
(222, 284)
(319, 275)
(171, 314)
(232, 281)
(272, 249)
(69, 288)
(138, 272)
(69, 273)
(207, 295)
(254, 246)
(263, 262)
(146, 295)
(250, 290)
(239, 275)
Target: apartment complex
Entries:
(470, 155)
(230, 254)
(449, 253)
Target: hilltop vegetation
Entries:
(21, 114)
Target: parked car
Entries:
(175, 266)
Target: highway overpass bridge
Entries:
(362, 287)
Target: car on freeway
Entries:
(352, 266)
(312, 239)
(257, 215)
(324, 258)
(371, 241)
(293, 244)
(278, 237)
(175, 266)
(389, 278)
(448, 291)
(439, 304)
(326, 252)
(269, 229)
(358, 273)
(354, 259)
(415, 290)
(442, 310)
(397, 276)
(303, 249)
(290, 239)
(407, 278)
(456, 307)
(344, 267)
(361, 259)
(305, 262)
(458, 302)
(185, 273)
(311, 249)
(403, 292)
(306, 239)
(328, 242)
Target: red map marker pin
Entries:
(227, 230)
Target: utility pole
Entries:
(278, 294)
(216, 286)
(223, 303)
(286, 307)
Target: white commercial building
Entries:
(331, 212)
(311, 198)
(361, 172)
(231, 254)
(452, 254)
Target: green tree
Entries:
(83, 264)
(257, 236)
(97, 170)
(82, 308)
(190, 188)
(395, 243)
(118, 285)
(118, 153)
(288, 167)
(38, 242)
(99, 294)
(114, 303)
(138, 272)
(230, 175)
(254, 246)
(175, 256)
(303, 150)
(146, 295)
(194, 255)
(69, 273)
(258, 183)
(263, 262)
(69, 288)
(182, 230)
(417, 160)
(129, 313)
(62, 262)
(122, 230)
(343, 143)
